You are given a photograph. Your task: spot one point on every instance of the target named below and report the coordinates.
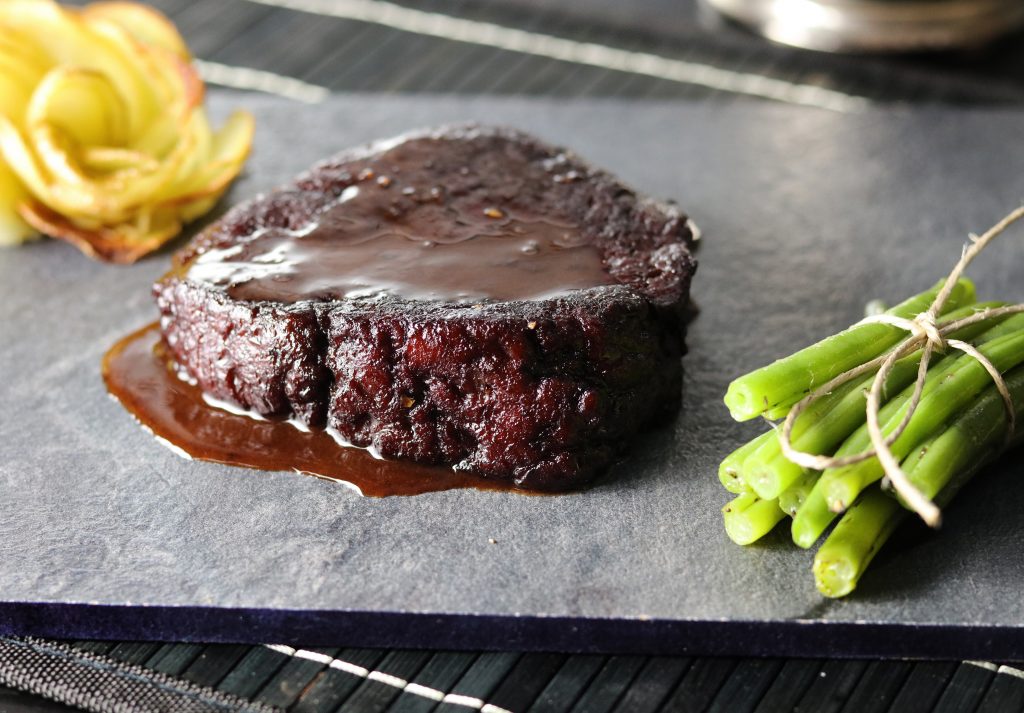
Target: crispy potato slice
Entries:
(83, 104)
(123, 244)
(13, 229)
(145, 24)
(228, 152)
(104, 141)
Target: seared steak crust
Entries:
(543, 393)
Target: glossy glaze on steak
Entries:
(467, 296)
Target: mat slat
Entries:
(568, 684)
(173, 659)
(1005, 694)
(94, 647)
(653, 684)
(251, 674)
(332, 686)
(610, 684)
(923, 686)
(965, 690)
(373, 696)
(833, 685)
(133, 652)
(214, 663)
(288, 683)
(440, 674)
(701, 684)
(789, 686)
(746, 686)
(483, 676)
(878, 687)
(526, 680)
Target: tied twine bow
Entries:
(928, 335)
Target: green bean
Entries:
(829, 421)
(853, 543)
(787, 380)
(749, 518)
(953, 386)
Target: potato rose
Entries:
(104, 141)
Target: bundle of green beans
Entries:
(959, 425)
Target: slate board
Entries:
(806, 215)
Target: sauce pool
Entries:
(141, 377)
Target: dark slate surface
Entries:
(806, 214)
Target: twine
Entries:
(928, 335)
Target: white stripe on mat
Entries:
(983, 664)
(490, 34)
(995, 668)
(401, 684)
(433, 694)
(256, 79)
(1010, 671)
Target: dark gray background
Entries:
(806, 214)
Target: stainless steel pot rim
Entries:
(876, 25)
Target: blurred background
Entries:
(651, 49)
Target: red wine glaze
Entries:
(395, 231)
(139, 375)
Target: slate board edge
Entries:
(510, 633)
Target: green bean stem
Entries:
(793, 497)
(853, 543)
(730, 471)
(812, 518)
(749, 518)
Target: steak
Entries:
(466, 296)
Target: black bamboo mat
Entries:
(230, 677)
(342, 54)
(388, 51)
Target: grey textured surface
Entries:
(806, 215)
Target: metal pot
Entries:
(877, 25)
